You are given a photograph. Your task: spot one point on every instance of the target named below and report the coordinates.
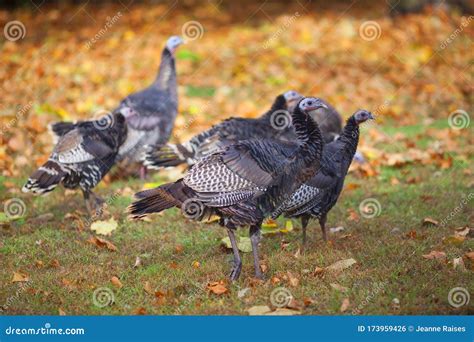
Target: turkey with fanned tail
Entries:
(316, 197)
(274, 124)
(243, 183)
(81, 158)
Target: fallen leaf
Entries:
(341, 265)
(283, 312)
(462, 231)
(138, 262)
(259, 310)
(454, 240)
(116, 282)
(217, 288)
(148, 289)
(102, 243)
(20, 277)
(293, 280)
(318, 270)
(469, 255)
(55, 263)
(196, 264)
(104, 227)
(435, 255)
(140, 311)
(61, 312)
(243, 244)
(288, 227)
(458, 264)
(427, 221)
(345, 305)
(243, 292)
(336, 230)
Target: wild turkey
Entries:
(317, 196)
(156, 108)
(243, 183)
(272, 124)
(81, 158)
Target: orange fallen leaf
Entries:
(217, 288)
(20, 277)
(102, 243)
(140, 311)
(196, 264)
(116, 282)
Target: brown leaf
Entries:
(55, 263)
(20, 277)
(469, 255)
(458, 264)
(318, 271)
(427, 221)
(345, 305)
(462, 231)
(293, 280)
(102, 243)
(435, 255)
(140, 311)
(217, 288)
(148, 289)
(116, 282)
(61, 312)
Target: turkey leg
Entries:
(237, 267)
(254, 233)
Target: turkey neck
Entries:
(278, 104)
(309, 137)
(350, 136)
(166, 78)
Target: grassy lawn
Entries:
(179, 258)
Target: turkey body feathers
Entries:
(81, 158)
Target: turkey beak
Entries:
(371, 116)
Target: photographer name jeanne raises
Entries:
(443, 328)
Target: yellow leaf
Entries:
(104, 227)
(20, 277)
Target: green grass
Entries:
(170, 245)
